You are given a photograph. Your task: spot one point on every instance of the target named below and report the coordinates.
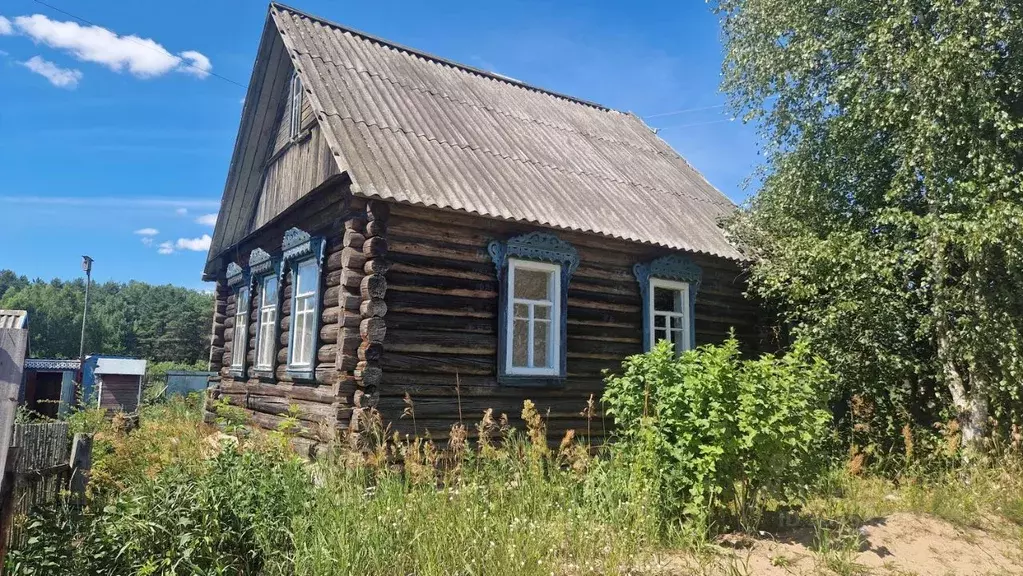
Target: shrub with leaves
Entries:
(718, 435)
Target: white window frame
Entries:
(241, 328)
(267, 327)
(295, 110)
(683, 289)
(310, 296)
(554, 299)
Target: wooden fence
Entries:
(39, 468)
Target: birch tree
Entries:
(889, 224)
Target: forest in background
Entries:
(159, 323)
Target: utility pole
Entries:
(87, 268)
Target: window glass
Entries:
(240, 338)
(532, 284)
(667, 300)
(267, 323)
(295, 112)
(669, 314)
(306, 279)
(533, 339)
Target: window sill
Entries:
(236, 373)
(302, 374)
(264, 374)
(531, 381)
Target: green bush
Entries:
(231, 516)
(721, 436)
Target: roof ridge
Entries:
(445, 61)
(540, 163)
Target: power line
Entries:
(700, 109)
(133, 40)
(696, 124)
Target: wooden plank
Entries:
(13, 349)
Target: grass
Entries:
(510, 505)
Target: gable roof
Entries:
(410, 127)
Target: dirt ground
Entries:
(901, 544)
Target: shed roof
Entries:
(410, 127)
(123, 366)
(51, 364)
(13, 319)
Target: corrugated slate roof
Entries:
(411, 127)
(13, 318)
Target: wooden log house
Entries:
(395, 223)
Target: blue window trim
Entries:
(237, 281)
(261, 267)
(671, 267)
(299, 247)
(538, 247)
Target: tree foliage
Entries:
(159, 323)
(889, 226)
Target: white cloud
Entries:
(114, 201)
(198, 64)
(165, 248)
(142, 57)
(181, 211)
(147, 232)
(207, 219)
(147, 241)
(200, 244)
(59, 77)
(5, 27)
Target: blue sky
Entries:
(118, 148)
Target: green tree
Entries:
(889, 226)
(159, 323)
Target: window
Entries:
(303, 254)
(533, 272)
(669, 313)
(668, 286)
(532, 340)
(303, 318)
(241, 330)
(267, 336)
(295, 109)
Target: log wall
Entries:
(409, 305)
(323, 403)
(441, 320)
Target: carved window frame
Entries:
(238, 282)
(299, 248)
(673, 270)
(541, 247)
(261, 268)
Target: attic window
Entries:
(295, 106)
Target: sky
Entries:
(118, 118)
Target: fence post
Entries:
(13, 349)
(81, 464)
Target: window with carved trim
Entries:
(668, 286)
(533, 272)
